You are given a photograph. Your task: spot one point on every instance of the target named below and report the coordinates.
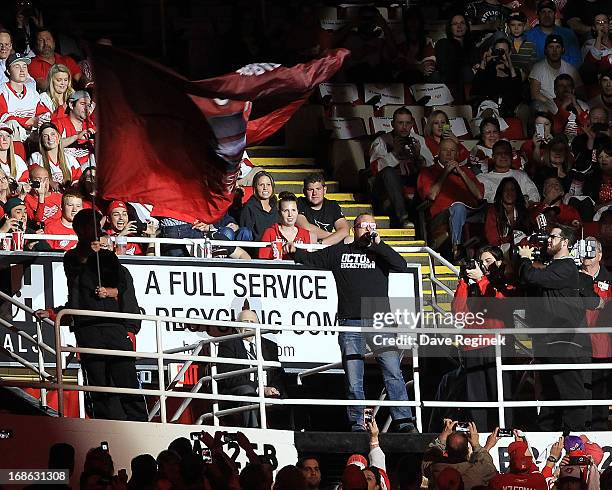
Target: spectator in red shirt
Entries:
(72, 203)
(507, 215)
(454, 187)
(438, 127)
(553, 207)
(59, 89)
(599, 184)
(523, 471)
(77, 127)
(46, 57)
(533, 149)
(604, 99)
(11, 163)
(42, 202)
(565, 103)
(64, 168)
(285, 231)
(20, 105)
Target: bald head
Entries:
(457, 446)
(37, 172)
(248, 316)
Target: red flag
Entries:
(176, 144)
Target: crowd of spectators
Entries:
(454, 460)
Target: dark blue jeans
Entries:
(353, 348)
(178, 231)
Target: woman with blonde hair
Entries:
(11, 164)
(437, 128)
(63, 168)
(59, 88)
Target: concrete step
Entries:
(341, 197)
(283, 161)
(297, 186)
(272, 151)
(396, 232)
(292, 173)
(354, 209)
(382, 222)
(407, 242)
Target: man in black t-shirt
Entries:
(486, 16)
(320, 215)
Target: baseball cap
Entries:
(449, 479)
(547, 4)
(79, 94)
(358, 460)
(554, 38)
(353, 478)
(606, 73)
(116, 205)
(13, 202)
(47, 126)
(518, 458)
(520, 16)
(6, 128)
(13, 58)
(592, 449)
(573, 443)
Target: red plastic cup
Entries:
(18, 240)
(277, 250)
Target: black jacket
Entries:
(82, 292)
(254, 217)
(235, 349)
(558, 301)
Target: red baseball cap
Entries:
(358, 460)
(518, 459)
(353, 478)
(115, 205)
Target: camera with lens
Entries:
(466, 265)
(141, 227)
(35, 184)
(539, 242)
(409, 148)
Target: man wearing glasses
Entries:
(361, 269)
(556, 304)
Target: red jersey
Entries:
(56, 227)
(273, 234)
(518, 481)
(81, 149)
(39, 68)
(41, 212)
(453, 190)
(20, 107)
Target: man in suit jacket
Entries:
(247, 384)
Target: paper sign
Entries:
(458, 126)
(332, 24)
(382, 124)
(339, 92)
(438, 93)
(392, 93)
(346, 128)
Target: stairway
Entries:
(289, 173)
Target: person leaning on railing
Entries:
(461, 451)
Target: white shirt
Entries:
(379, 151)
(491, 181)
(546, 74)
(56, 171)
(29, 83)
(20, 167)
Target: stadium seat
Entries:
(384, 93)
(464, 111)
(365, 112)
(304, 130)
(348, 157)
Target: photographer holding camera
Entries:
(396, 159)
(497, 79)
(484, 278)
(119, 225)
(559, 306)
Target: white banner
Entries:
(281, 293)
(340, 92)
(390, 93)
(438, 92)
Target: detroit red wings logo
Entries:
(49, 212)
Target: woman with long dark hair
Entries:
(259, 212)
(507, 213)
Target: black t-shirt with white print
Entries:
(325, 217)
